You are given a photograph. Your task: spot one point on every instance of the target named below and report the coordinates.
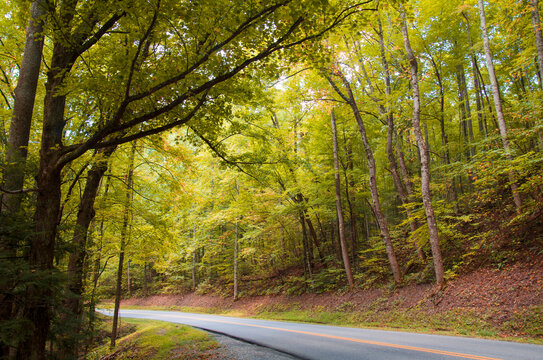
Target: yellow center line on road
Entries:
(390, 345)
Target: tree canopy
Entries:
(175, 146)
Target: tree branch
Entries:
(23, 191)
(98, 34)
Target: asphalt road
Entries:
(322, 342)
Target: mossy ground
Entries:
(157, 340)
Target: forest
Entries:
(165, 146)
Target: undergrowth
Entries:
(157, 340)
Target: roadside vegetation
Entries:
(499, 301)
(153, 340)
(371, 153)
(523, 326)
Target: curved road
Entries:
(322, 342)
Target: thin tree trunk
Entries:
(425, 160)
(194, 258)
(314, 236)
(387, 113)
(97, 272)
(538, 38)
(128, 285)
(477, 85)
(306, 249)
(349, 184)
(465, 112)
(444, 137)
(124, 238)
(539, 46)
(236, 250)
(343, 243)
(498, 105)
(145, 279)
(372, 177)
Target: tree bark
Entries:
(349, 184)
(314, 236)
(425, 160)
(343, 243)
(79, 241)
(477, 85)
(124, 236)
(236, 250)
(128, 280)
(97, 270)
(307, 258)
(36, 309)
(539, 47)
(444, 137)
(498, 105)
(538, 38)
(465, 111)
(349, 98)
(386, 111)
(193, 270)
(17, 147)
(25, 95)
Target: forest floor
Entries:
(504, 303)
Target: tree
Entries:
(424, 157)
(341, 224)
(123, 242)
(85, 214)
(498, 105)
(181, 92)
(383, 226)
(539, 47)
(236, 249)
(24, 97)
(17, 145)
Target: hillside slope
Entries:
(505, 302)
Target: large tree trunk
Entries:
(343, 243)
(425, 160)
(498, 105)
(25, 95)
(79, 241)
(36, 307)
(124, 236)
(16, 150)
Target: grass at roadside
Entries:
(524, 326)
(157, 340)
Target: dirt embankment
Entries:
(497, 293)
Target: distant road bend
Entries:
(322, 342)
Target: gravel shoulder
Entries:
(233, 349)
